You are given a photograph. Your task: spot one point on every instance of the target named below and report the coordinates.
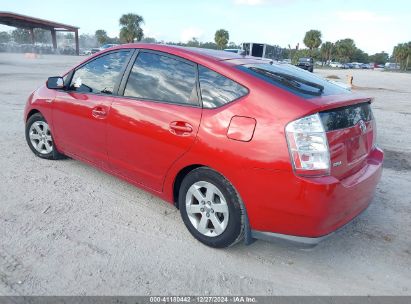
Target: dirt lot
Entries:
(69, 229)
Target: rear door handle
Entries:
(99, 112)
(180, 128)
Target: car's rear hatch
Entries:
(351, 136)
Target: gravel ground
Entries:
(69, 229)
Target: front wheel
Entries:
(40, 139)
(211, 208)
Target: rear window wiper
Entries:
(105, 91)
(291, 81)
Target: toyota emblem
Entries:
(363, 126)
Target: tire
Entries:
(211, 208)
(40, 139)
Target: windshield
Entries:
(293, 79)
(309, 60)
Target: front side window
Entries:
(99, 75)
(217, 90)
(162, 78)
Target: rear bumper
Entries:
(308, 210)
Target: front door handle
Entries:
(180, 128)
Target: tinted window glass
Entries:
(217, 90)
(345, 117)
(162, 78)
(99, 75)
(294, 79)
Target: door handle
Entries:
(180, 128)
(99, 112)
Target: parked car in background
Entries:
(107, 46)
(356, 65)
(335, 64)
(306, 64)
(91, 51)
(245, 149)
(392, 66)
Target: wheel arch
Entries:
(179, 179)
(31, 113)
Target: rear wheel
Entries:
(211, 208)
(40, 139)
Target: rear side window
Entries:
(294, 80)
(217, 90)
(99, 75)
(162, 78)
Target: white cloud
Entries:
(190, 32)
(362, 16)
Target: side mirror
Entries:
(56, 82)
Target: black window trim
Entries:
(130, 65)
(223, 105)
(117, 82)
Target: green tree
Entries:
(87, 41)
(360, 56)
(149, 40)
(326, 51)
(379, 58)
(21, 36)
(131, 27)
(101, 36)
(209, 45)
(193, 42)
(221, 38)
(401, 54)
(301, 53)
(4, 37)
(232, 45)
(312, 39)
(42, 36)
(345, 49)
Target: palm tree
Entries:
(326, 51)
(401, 54)
(345, 49)
(312, 39)
(130, 27)
(101, 36)
(221, 38)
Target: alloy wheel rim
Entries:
(40, 137)
(207, 209)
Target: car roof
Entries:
(191, 53)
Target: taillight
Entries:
(308, 146)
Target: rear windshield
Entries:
(346, 117)
(294, 79)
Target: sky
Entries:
(375, 25)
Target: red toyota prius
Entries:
(246, 149)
